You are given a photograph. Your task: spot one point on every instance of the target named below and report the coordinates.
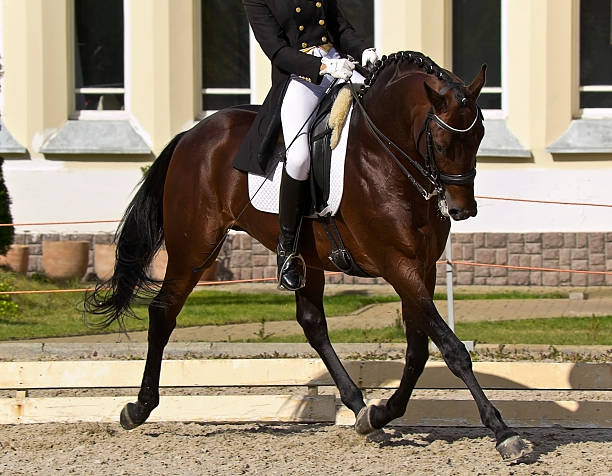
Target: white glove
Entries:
(338, 68)
(369, 57)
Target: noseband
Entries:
(430, 172)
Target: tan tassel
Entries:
(339, 113)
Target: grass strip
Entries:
(596, 330)
(51, 315)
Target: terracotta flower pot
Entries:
(104, 260)
(65, 259)
(17, 258)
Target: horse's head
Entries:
(453, 133)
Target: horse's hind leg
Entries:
(179, 282)
(311, 317)
(417, 353)
(162, 320)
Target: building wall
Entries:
(163, 98)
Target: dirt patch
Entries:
(190, 448)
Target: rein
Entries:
(430, 172)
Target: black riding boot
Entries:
(291, 267)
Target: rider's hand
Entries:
(369, 58)
(338, 68)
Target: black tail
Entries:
(138, 238)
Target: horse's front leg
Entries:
(311, 317)
(426, 318)
(417, 352)
(457, 358)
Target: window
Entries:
(595, 54)
(360, 14)
(226, 78)
(477, 39)
(99, 81)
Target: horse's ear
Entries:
(479, 82)
(435, 98)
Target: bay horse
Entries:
(411, 162)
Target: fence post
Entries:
(449, 284)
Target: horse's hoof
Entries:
(513, 448)
(363, 425)
(126, 420)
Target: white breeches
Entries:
(299, 102)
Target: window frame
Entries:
(87, 114)
(588, 112)
(252, 90)
(201, 90)
(501, 113)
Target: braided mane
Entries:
(419, 60)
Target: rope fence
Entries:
(256, 280)
(43, 223)
(483, 197)
(548, 202)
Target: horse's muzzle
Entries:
(461, 213)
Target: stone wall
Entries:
(242, 257)
(576, 251)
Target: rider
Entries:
(307, 42)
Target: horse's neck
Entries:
(381, 106)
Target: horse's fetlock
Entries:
(492, 418)
(150, 405)
(351, 397)
(148, 398)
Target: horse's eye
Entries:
(440, 149)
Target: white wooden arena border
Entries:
(310, 408)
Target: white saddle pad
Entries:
(264, 192)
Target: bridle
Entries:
(464, 178)
(430, 172)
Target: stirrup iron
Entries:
(292, 256)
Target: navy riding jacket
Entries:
(283, 28)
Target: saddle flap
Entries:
(264, 190)
(324, 134)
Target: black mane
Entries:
(420, 60)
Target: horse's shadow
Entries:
(544, 440)
(276, 429)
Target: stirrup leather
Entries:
(288, 259)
